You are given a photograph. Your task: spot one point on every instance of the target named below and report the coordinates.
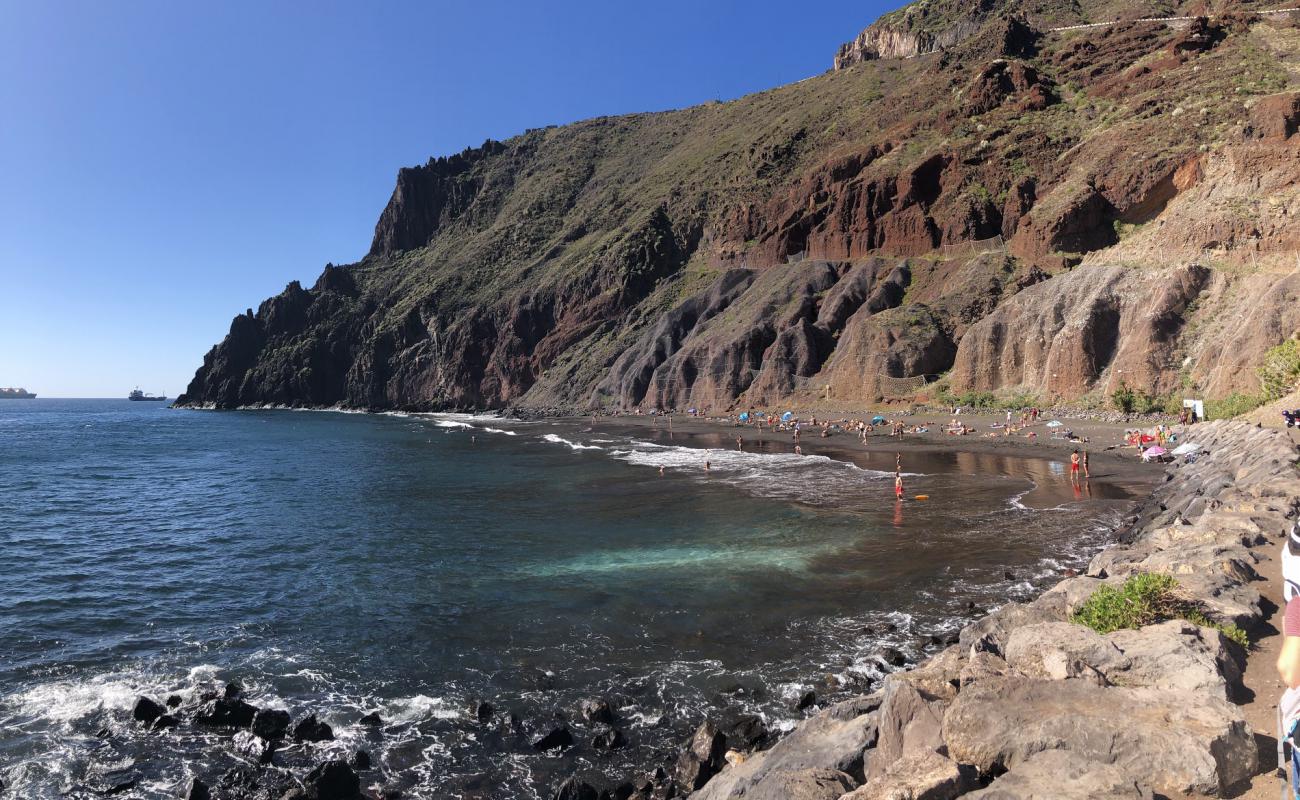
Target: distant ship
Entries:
(136, 394)
(16, 394)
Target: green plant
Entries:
(1124, 398)
(1280, 369)
(1233, 405)
(1145, 599)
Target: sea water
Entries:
(416, 564)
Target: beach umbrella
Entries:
(877, 419)
(1184, 449)
(1056, 423)
(1152, 452)
(787, 416)
(744, 417)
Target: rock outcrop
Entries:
(917, 213)
(1032, 705)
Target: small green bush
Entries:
(1233, 405)
(1145, 599)
(1123, 398)
(1280, 369)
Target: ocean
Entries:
(414, 565)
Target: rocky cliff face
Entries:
(1048, 212)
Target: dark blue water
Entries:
(346, 563)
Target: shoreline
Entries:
(1024, 705)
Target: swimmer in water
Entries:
(706, 466)
(661, 471)
(798, 450)
(739, 443)
(898, 485)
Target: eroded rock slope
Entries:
(970, 190)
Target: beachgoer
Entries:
(898, 485)
(798, 450)
(1074, 466)
(1086, 474)
(739, 443)
(706, 466)
(661, 471)
(1288, 659)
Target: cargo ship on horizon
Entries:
(10, 393)
(136, 394)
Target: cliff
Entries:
(1021, 208)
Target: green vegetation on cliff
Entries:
(581, 265)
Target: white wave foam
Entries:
(64, 702)
(417, 708)
(552, 438)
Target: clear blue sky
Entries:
(166, 165)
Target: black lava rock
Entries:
(233, 691)
(165, 722)
(311, 729)
(609, 739)
(596, 709)
(806, 700)
(254, 747)
(174, 701)
(558, 737)
(702, 758)
(333, 780)
(574, 789)
(197, 790)
(893, 657)
(372, 720)
(271, 724)
(146, 710)
(482, 711)
(360, 761)
(748, 732)
(223, 713)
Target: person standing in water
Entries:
(1074, 467)
(898, 484)
(1086, 474)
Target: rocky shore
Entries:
(1029, 704)
(1024, 703)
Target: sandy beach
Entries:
(1116, 470)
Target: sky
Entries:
(166, 165)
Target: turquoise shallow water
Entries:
(343, 563)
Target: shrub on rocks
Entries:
(1145, 599)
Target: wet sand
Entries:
(1116, 474)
